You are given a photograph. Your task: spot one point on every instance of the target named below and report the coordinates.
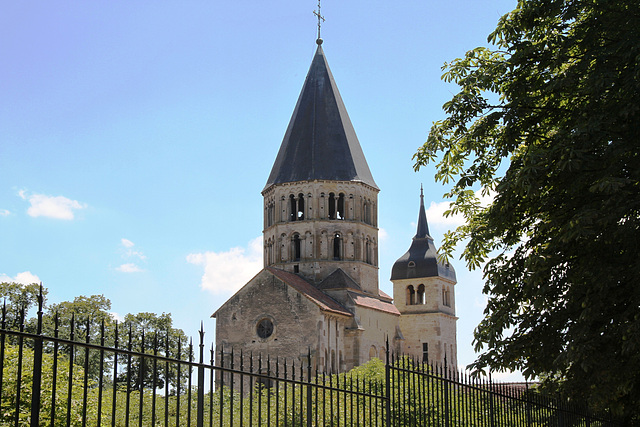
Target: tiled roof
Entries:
(374, 303)
(384, 295)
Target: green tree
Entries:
(9, 404)
(548, 123)
(160, 337)
(90, 313)
(17, 297)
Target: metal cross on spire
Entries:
(320, 21)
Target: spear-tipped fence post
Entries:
(86, 372)
(141, 380)
(309, 396)
(387, 387)
(527, 402)
(101, 377)
(491, 404)
(37, 367)
(200, 414)
(446, 392)
(115, 374)
(3, 324)
(19, 374)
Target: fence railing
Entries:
(70, 381)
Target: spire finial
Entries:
(320, 21)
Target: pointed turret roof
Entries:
(421, 260)
(320, 142)
(423, 227)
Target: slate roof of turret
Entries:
(421, 260)
(320, 142)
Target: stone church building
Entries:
(318, 290)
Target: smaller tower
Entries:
(423, 292)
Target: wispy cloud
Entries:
(228, 271)
(435, 211)
(129, 268)
(130, 252)
(127, 253)
(435, 215)
(57, 207)
(127, 243)
(26, 278)
(4, 212)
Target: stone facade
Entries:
(312, 228)
(428, 317)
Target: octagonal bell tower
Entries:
(320, 201)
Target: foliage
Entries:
(88, 314)
(78, 407)
(548, 124)
(9, 404)
(154, 334)
(419, 396)
(84, 319)
(18, 297)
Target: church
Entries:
(319, 291)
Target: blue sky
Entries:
(135, 137)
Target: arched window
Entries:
(372, 352)
(292, 208)
(367, 251)
(332, 206)
(282, 256)
(268, 214)
(296, 248)
(420, 295)
(337, 246)
(300, 213)
(283, 209)
(365, 212)
(411, 295)
(445, 296)
(341, 213)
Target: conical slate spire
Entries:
(320, 142)
(421, 260)
(423, 227)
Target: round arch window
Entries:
(264, 328)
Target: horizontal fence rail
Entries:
(122, 380)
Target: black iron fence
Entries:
(119, 380)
